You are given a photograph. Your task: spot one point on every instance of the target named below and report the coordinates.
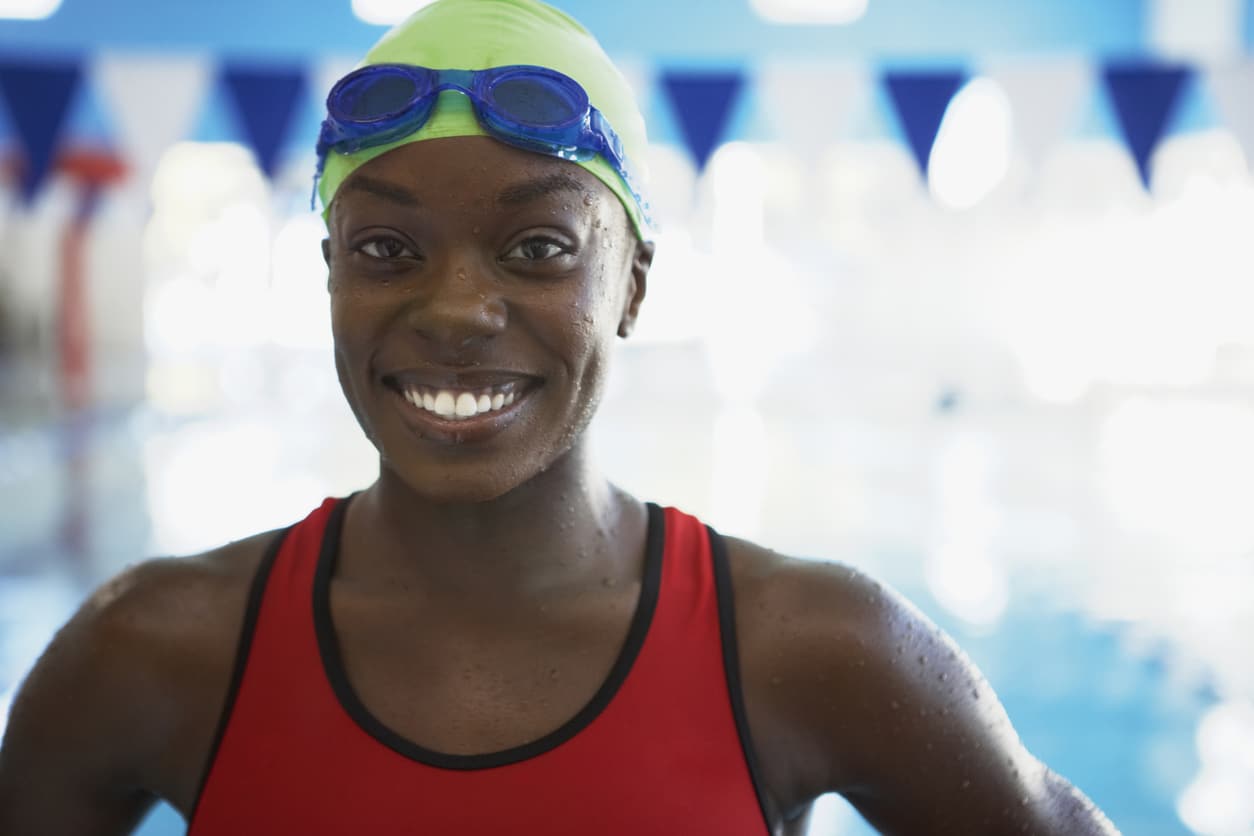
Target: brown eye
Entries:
(386, 249)
(536, 249)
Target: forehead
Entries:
(473, 171)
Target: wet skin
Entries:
(464, 263)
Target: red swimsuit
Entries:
(662, 748)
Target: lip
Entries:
(457, 379)
(470, 430)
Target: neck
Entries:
(564, 525)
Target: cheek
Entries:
(594, 329)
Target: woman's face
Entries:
(476, 290)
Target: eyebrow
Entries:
(530, 190)
(382, 188)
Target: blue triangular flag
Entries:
(920, 99)
(265, 102)
(702, 103)
(1144, 96)
(37, 96)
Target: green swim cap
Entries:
(480, 34)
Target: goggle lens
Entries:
(369, 99)
(535, 101)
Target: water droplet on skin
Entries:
(966, 783)
(894, 705)
(474, 231)
(461, 273)
(941, 676)
(775, 680)
(922, 659)
(553, 674)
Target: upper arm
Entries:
(76, 740)
(887, 711)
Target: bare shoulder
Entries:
(124, 702)
(850, 688)
(161, 614)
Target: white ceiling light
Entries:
(810, 11)
(28, 9)
(385, 12)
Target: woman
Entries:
(492, 637)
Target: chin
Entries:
(455, 485)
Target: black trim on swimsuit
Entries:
(251, 610)
(333, 665)
(731, 664)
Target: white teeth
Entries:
(445, 406)
(453, 404)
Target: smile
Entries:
(460, 404)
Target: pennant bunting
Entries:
(702, 103)
(130, 109)
(1144, 97)
(920, 99)
(1232, 88)
(266, 100)
(1046, 100)
(811, 106)
(37, 96)
(153, 101)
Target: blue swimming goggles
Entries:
(533, 108)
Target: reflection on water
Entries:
(1044, 544)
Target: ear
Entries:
(641, 261)
(326, 256)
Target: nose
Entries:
(458, 308)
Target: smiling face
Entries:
(476, 291)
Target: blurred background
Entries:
(959, 292)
